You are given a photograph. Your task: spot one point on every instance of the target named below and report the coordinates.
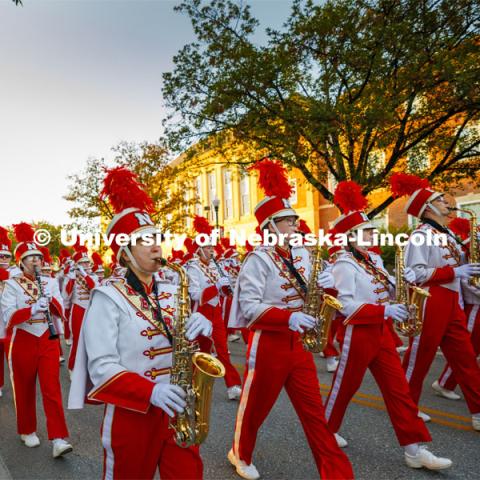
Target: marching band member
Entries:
(65, 266)
(447, 383)
(268, 299)
(81, 281)
(5, 258)
(207, 290)
(97, 268)
(31, 353)
(363, 287)
(126, 350)
(439, 270)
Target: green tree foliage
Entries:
(341, 81)
(165, 183)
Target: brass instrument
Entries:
(192, 370)
(474, 244)
(411, 296)
(319, 305)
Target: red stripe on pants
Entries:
(66, 325)
(444, 327)
(219, 335)
(447, 378)
(76, 317)
(32, 357)
(373, 347)
(137, 444)
(276, 360)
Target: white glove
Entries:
(222, 282)
(325, 280)
(169, 398)
(41, 305)
(71, 275)
(298, 320)
(197, 325)
(467, 271)
(409, 275)
(397, 312)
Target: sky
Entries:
(76, 78)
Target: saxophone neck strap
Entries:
(295, 273)
(137, 285)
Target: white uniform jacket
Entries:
(201, 283)
(123, 350)
(19, 294)
(266, 292)
(433, 265)
(362, 290)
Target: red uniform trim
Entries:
(441, 275)
(56, 308)
(367, 313)
(208, 293)
(273, 319)
(20, 316)
(90, 282)
(69, 287)
(126, 390)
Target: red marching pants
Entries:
(66, 324)
(226, 307)
(330, 349)
(219, 335)
(447, 378)
(137, 444)
(31, 357)
(76, 319)
(444, 327)
(373, 346)
(276, 360)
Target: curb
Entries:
(4, 472)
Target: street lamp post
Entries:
(216, 204)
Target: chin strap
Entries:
(434, 209)
(134, 262)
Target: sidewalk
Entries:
(4, 473)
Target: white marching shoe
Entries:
(249, 472)
(476, 422)
(1, 393)
(31, 440)
(443, 392)
(426, 459)
(60, 447)
(426, 418)
(234, 392)
(341, 442)
(332, 364)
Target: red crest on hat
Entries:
(349, 199)
(24, 233)
(5, 242)
(131, 204)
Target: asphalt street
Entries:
(281, 452)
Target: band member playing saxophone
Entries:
(125, 348)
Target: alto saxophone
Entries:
(474, 244)
(321, 306)
(192, 370)
(411, 296)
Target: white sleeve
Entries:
(344, 275)
(100, 331)
(417, 258)
(8, 303)
(194, 283)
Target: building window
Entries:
(375, 162)
(473, 206)
(228, 194)
(244, 194)
(380, 221)
(417, 159)
(293, 197)
(212, 193)
(198, 194)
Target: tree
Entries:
(165, 183)
(349, 89)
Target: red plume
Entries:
(273, 178)
(303, 227)
(225, 242)
(348, 197)
(405, 184)
(460, 226)
(177, 254)
(4, 238)
(46, 255)
(219, 250)
(64, 253)
(23, 232)
(97, 259)
(123, 190)
(201, 225)
(190, 245)
(78, 247)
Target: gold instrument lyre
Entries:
(411, 296)
(192, 370)
(321, 306)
